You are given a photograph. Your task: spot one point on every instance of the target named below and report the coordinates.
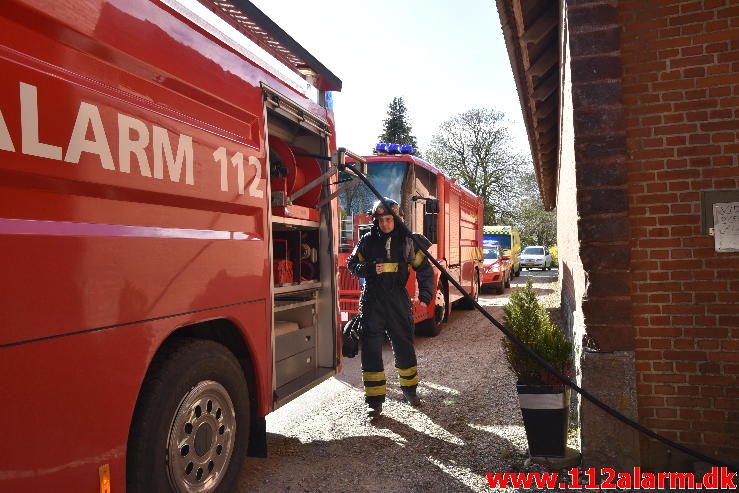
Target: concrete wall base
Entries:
(606, 441)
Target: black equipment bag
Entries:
(350, 336)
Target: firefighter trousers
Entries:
(389, 312)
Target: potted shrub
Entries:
(544, 400)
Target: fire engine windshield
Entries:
(357, 199)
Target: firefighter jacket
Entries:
(397, 252)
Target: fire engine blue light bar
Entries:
(393, 148)
(407, 149)
(381, 147)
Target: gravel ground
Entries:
(469, 423)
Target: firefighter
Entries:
(383, 257)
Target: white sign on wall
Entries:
(726, 226)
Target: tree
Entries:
(537, 226)
(396, 128)
(476, 148)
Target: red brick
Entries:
(660, 344)
(650, 401)
(683, 367)
(696, 17)
(688, 390)
(698, 150)
(732, 404)
(722, 356)
(685, 355)
(657, 389)
(664, 378)
(710, 380)
(690, 436)
(666, 413)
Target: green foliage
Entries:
(529, 321)
(537, 226)
(396, 128)
(476, 148)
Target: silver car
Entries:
(536, 257)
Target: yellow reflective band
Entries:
(409, 383)
(104, 475)
(373, 376)
(389, 267)
(418, 260)
(406, 372)
(374, 391)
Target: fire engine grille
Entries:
(349, 306)
(348, 283)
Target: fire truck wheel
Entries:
(190, 429)
(466, 305)
(431, 327)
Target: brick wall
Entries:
(600, 154)
(607, 361)
(680, 63)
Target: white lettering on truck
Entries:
(128, 146)
(87, 115)
(163, 151)
(6, 143)
(30, 142)
(134, 138)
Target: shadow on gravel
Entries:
(456, 451)
(410, 461)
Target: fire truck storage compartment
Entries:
(303, 292)
(295, 338)
(295, 256)
(294, 142)
(296, 304)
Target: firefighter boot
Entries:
(410, 396)
(375, 409)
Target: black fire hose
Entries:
(628, 421)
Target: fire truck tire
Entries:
(190, 428)
(466, 305)
(431, 327)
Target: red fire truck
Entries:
(168, 245)
(431, 203)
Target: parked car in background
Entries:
(536, 257)
(496, 270)
(509, 240)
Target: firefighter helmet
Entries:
(379, 209)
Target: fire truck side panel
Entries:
(133, 202)
(63, 424)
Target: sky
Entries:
(443, 57)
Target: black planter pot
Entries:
(546, 413)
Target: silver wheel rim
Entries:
(201, 439)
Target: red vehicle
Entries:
(496, 267)
(168, 277)
(431, 203)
